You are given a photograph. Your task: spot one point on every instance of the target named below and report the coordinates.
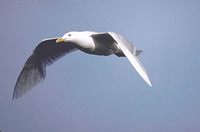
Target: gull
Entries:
(95, 43)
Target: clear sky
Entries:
(85, 93)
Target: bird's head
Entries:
(70, 36)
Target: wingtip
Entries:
(15, 96)
(149, 83)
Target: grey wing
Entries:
(124, 45)
(34, 70)
(106, 42)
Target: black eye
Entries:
(69, 35)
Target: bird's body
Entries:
(85, 41)
(49, 50)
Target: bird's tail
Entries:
(137, 52)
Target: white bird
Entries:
(49, 50)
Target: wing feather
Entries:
(34, 70)
(123, 44)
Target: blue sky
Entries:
(84, 93)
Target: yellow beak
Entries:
(60, 40)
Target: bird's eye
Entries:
(69, 35)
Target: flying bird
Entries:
(49, 50)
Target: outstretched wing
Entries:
(123, 44)
(34, 70)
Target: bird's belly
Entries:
(101, 50)
(98, 51)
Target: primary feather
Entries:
(34, 70)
